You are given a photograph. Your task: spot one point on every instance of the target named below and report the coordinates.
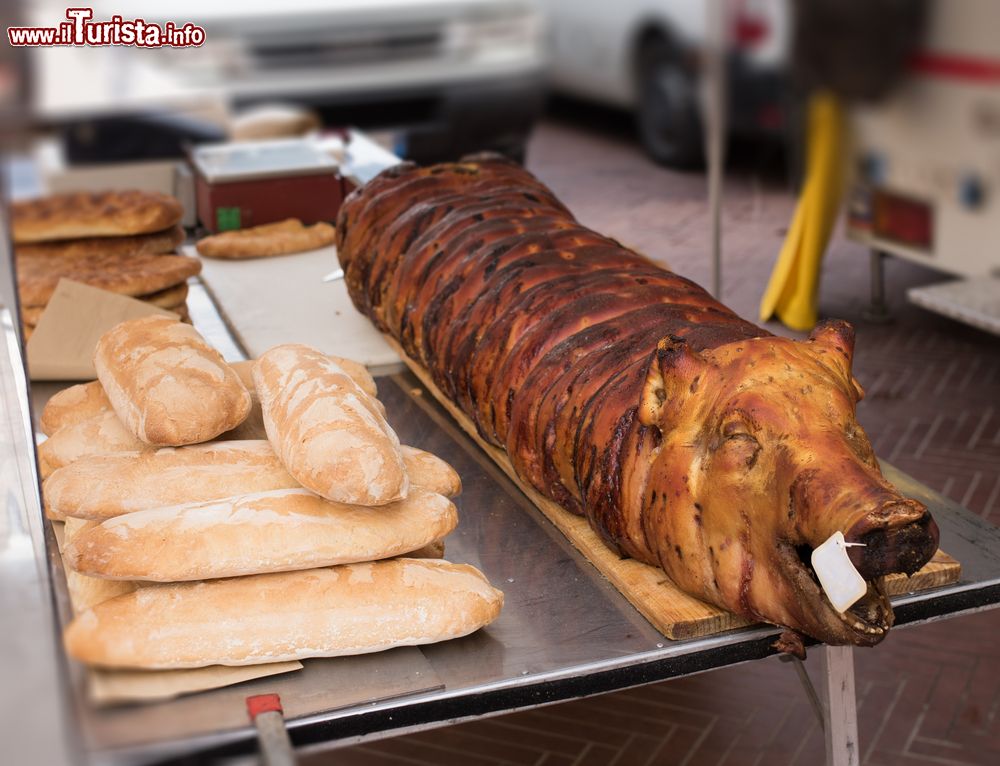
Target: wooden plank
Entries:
(671, 611)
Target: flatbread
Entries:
(31, 314)
(134, 275)
(165, 241)
(165, 299)
(281, 238)
(93, 214)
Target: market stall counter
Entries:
(565, 632)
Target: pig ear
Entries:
(674, 373)
(834, 343)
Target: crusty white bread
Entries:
(105, 486)
(102, 434)
(349, 609)
(73, 405)
(431, 472)
(330, 434)
(278, 531)
(169, 386)
(85, 591)
(84, 400)
(358, 372)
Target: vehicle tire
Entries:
(667, 116)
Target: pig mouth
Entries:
(865, 623)
(896, 536)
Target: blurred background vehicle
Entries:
(446, 76)
(645, 56)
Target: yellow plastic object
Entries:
(792, 293)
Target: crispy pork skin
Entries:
(689, 438)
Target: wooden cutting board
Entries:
(670, 610)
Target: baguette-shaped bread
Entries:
(102, 434)
(277, 531)
(85, 591)
(430, 472)
(168, 386)
(349, 609)
(105, 486)
(73, 405)
(331, 436)
(85, 400)
(358, 372)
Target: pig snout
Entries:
(898, 536)
(895, 533)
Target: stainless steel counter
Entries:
(564, 632)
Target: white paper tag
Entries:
(841, 582)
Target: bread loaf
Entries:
(271, 239)
(330, 434)
(276, 531)
(431, 472)
(101, 434)
(168, 386)
(73, 405)
(85, 591)
(349, 609)
(105, 486)
(84, 400)
(358, 372)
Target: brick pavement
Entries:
(927, 696)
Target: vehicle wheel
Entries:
(667, 116)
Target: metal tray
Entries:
(565, 632)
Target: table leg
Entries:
(840, 706)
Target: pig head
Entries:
(761, 459)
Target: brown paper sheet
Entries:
(62, 345)
(113, 687)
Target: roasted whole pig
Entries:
(689, 438)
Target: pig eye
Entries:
(734, 429)
(741, 445)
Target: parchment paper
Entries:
(62, 345)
